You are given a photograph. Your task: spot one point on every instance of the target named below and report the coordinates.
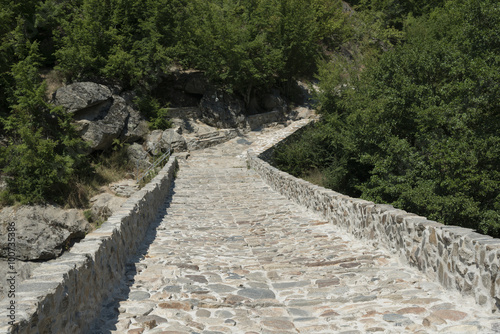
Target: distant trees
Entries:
(126, 41)
(241, 45)
(420, 126)
(251, 44)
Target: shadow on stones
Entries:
(107, 320)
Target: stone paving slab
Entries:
(232, 256)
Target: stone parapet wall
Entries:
(65, 295)
(457, 257)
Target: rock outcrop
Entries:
(101, 131)
(82, 95)
(222, 110)
(100, 116)
(104, 205)
(173, 139)
(160, 141)
(43, 232)
(136, 127)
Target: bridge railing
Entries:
(157, 161)
(152, 166)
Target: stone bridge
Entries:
(228, 254)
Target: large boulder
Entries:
(159, 140)
(104, 205)
(138, 156)
(136, 126)
(100, 117)
(173, 139)
(81, 95)
(41, 232)
(153, 141)
(222, 110)
(101, 131)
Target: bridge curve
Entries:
(231, 255)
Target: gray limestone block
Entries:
(257, 293)
(81, 95)
(136, 127)
(45, 230)
(172, 139)
(101, 133)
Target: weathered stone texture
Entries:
(41, 231)
(67, 293)
(457, 257)
(231, 255)
(100, 117)
(81, 95)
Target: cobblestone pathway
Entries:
(232, 256)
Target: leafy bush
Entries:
(154, 113)
(251, 45)
(419, 127)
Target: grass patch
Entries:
(155, 171)
(54, 80)
(105, 168)
(316, 177)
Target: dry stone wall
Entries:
(66, 294)
(458, 258)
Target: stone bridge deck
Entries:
(230, 255)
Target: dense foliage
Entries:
(42, 151)
(251, 44)
(243, 46)
(419, 127)
(408, 90)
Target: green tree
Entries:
(12, 13)
(139, 54)
(233, 42)
(125, 41)
(394, 12)
(250, 45)
(43, 151)
(83, 40)
(419, 126)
